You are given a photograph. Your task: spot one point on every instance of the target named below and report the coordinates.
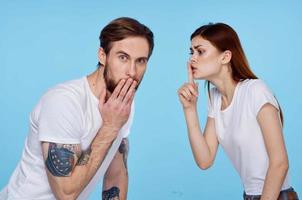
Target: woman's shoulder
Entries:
(251, 85)
(255, 87)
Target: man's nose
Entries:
(132, 70)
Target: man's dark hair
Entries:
(122, 28)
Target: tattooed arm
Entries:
(69, 169)
(115, 183)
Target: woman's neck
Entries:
(226, 87)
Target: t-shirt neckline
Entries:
(233, 99)
(89, 90)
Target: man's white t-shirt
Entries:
(68, 113)
(239, 133)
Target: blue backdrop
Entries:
(43, 43)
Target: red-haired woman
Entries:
(244, 116)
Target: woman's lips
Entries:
(193, 68)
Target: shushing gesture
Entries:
(116, 110)
(188, 92)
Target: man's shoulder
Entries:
(68, 89)
(69, 93)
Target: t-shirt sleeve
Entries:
(211, 103)
(60, 119)
(260, 95)
(126, 128)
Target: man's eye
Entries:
(142, 61)
(123, 57)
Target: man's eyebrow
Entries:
(126, 54)
(145, 58)
(123, 52)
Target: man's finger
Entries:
(118, 88)
(130, 92)
(131, 97)
(190, 73)
(125, 88)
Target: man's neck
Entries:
(97, 82)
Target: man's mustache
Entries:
(111, 83)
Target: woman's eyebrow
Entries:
(195, 47)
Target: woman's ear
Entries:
(226, 57)
(102, 56)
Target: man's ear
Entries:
(102, 56)
(226, 57)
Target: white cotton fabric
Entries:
(239, 133)
(68, 113)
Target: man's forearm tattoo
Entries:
(124, 149)
(83, 160)
(111, 194)
(61, 158)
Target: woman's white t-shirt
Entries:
(239, 133)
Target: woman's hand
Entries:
(188, 92)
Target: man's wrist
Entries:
(107, 134)
(110, 129)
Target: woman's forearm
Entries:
(198, 143)
(273, 182)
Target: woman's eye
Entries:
(200, 52)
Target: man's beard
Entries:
(111, 84)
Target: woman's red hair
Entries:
(224, 37)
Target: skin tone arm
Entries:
(204, 146)
(271, 127)
(115, 183)
(69, 169)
